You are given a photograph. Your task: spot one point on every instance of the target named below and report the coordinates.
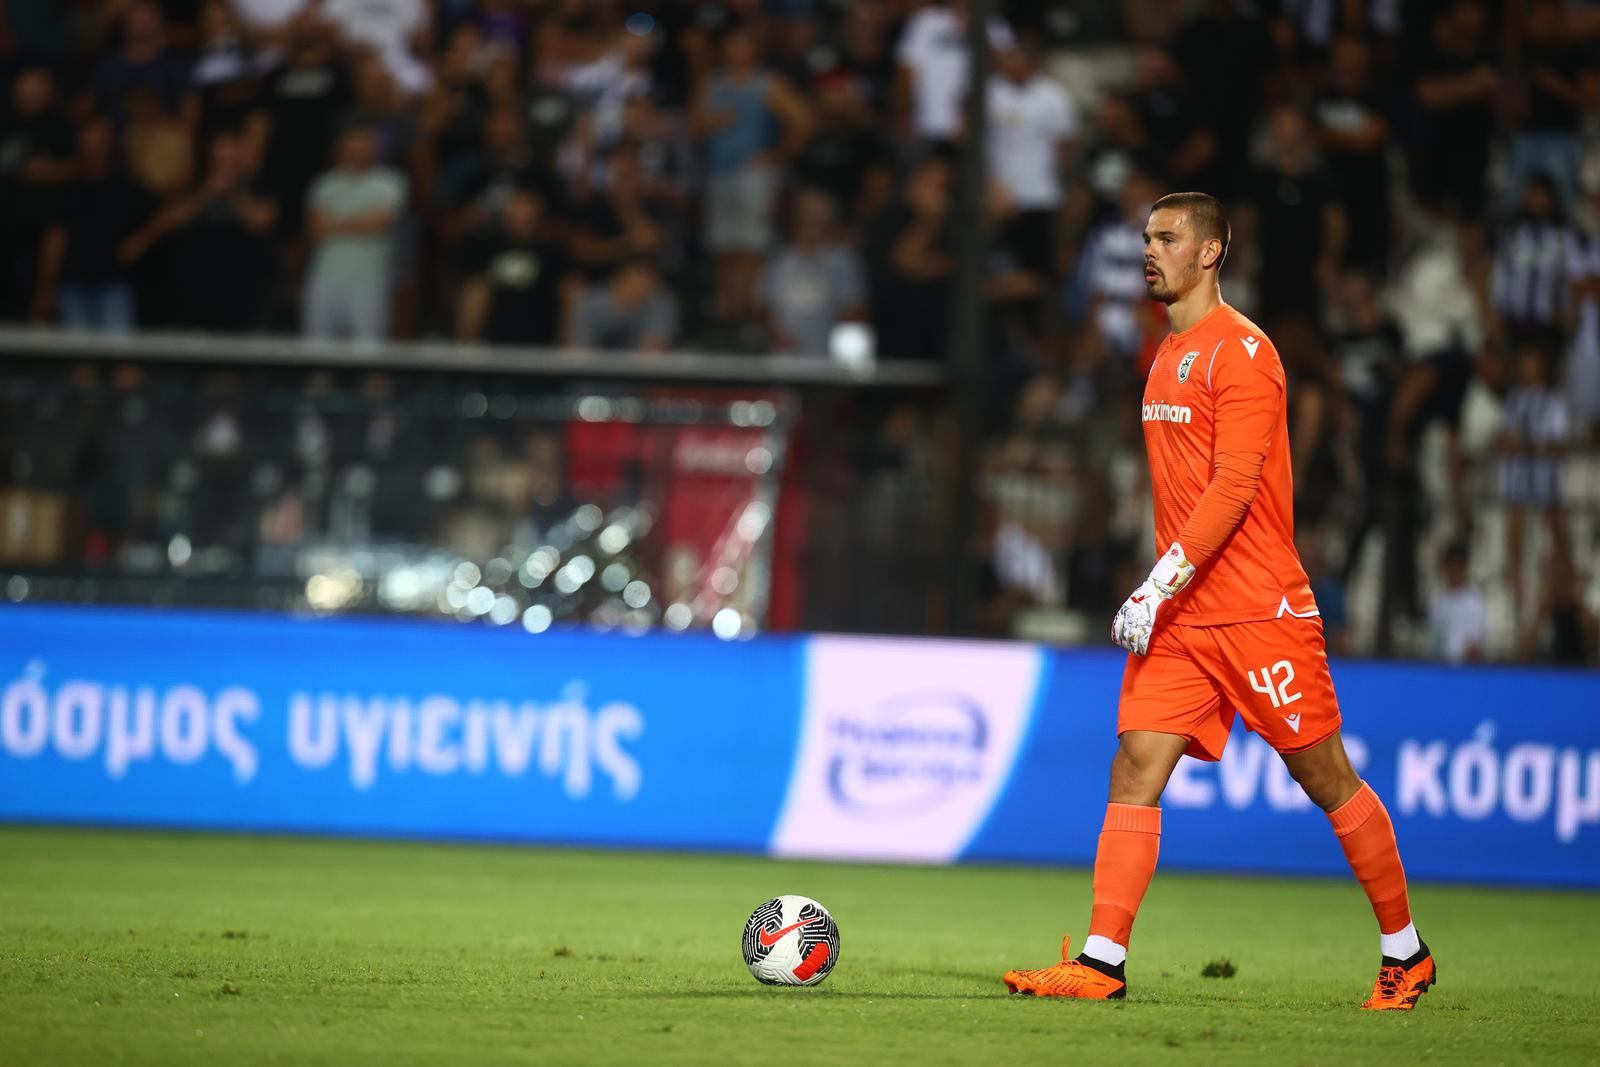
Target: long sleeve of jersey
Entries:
(1248, 398)
(1234, 480)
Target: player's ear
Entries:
(1211, 254)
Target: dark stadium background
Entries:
(1412, 187)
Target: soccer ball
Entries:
(791, 941)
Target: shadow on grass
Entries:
(826, 994)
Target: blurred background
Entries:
(656, 314)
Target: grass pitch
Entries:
(174, 949)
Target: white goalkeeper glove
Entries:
(1137, 618)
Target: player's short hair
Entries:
(1205, 216)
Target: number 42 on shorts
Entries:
(1261, 680)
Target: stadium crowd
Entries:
(1411, 186)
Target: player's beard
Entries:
(1164, 291)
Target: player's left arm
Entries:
(1247, 390)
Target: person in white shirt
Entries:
(353, 209)
(1033, 129)
(932, 55)
(1458, 615)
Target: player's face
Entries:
(1171, 256)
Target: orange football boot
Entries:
(1069, 978)
(1401, 983)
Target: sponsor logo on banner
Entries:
(912, 752)
(905, 746)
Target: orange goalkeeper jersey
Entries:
(1219, 387)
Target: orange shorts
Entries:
(1274, 673)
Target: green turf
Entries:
(172, 949)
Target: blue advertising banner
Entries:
(374, 727)
(1490, 774)
(904, 750)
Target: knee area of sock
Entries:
(1355, 812)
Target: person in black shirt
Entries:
(911, 261)
(143, 63)
(1353, 125)
(862, 43)
(304, 102)
(1554, 92)
(1224, 55)
(222, 229)
(85, 256)
(625, 220)
(1175, 120)
(1367, 356)
(846, 158)
(35, 158)
(1456, 88)
(521, 288)
(1299, 226)
(227, 79)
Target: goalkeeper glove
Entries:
(1137, 618)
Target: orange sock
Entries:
(1123, 867)
(1367, 836)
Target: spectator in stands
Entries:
(1564, 630)
(475, 185)
(847, 158)
(522, 286)
(1118, 147)
(1033, 132)
(623, 221)
(222, 228)
(382, 29)
(1456, 88)
(1113, 271)
(1583, 355)
(36, 146)
(1225, 52)
(1027, 479)
(866, 58)
(1439, 318)
(1327, 586)
(304, 101)
(657, 139)
(1535, 430)
(377, 104)
(911, 257)
(752, 122)
(352, 212)
(632, 312)
(453, 112)
(1559, 84)
(226, 84)
(85, 257)
(1366, 351)
(1174, 119)
(1458, 616)
(1529, 283)
(144, 63)
(1312, 414)
(1352, 117)
(933, 59)
(813, 283)
(1295, 218)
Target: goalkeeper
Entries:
(1226, 622)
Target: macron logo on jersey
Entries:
(1250, 345)
(1168, 413)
